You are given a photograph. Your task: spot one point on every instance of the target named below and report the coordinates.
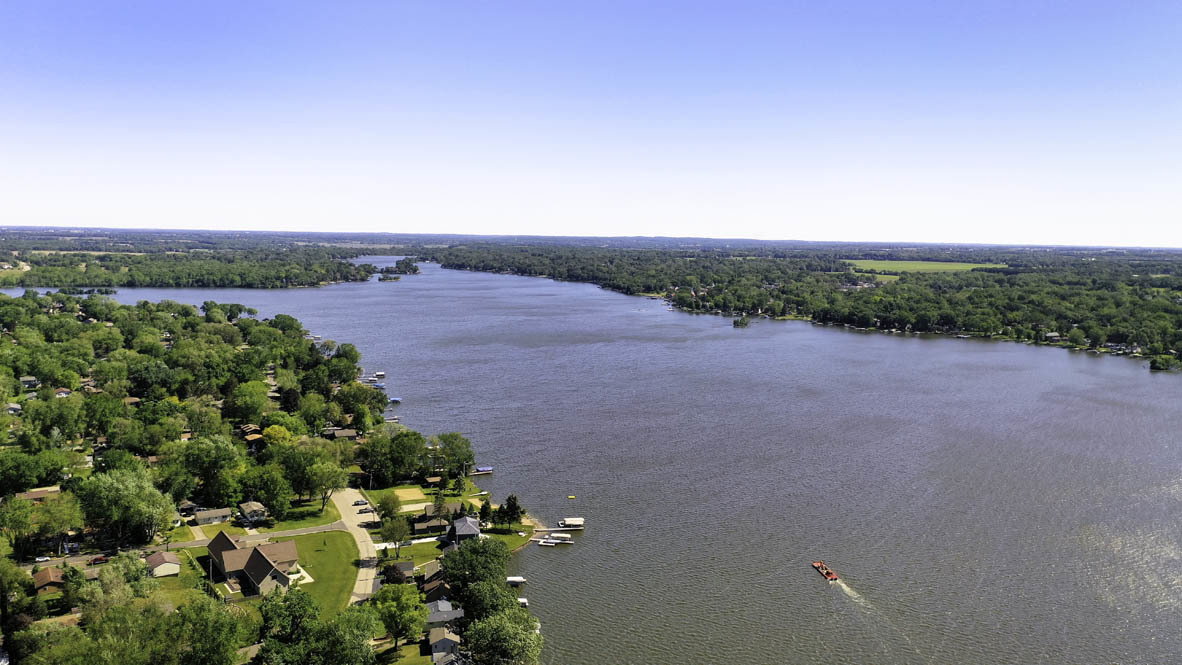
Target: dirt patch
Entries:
(410, 494)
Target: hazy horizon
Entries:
(903, 122)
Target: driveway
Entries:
(368, 573)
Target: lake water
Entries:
(983, 502)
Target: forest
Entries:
(1129, 300)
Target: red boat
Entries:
(825, 571)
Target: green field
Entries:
(919, 266)
(331, 559)
(303, 515)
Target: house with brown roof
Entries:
(48, 580)
(38, 495)
(257, 567)
(164, 564)
(443, 642)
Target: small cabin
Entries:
(571, 523)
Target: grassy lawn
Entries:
(180, 534)
(174, 591)
(420, 553)
(211, 530)
(509, 536)
(919, 266)
(304, 515)
(331, 559)
(414, 653)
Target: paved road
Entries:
(80, 560)
(367, 575)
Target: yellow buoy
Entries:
(571, 496)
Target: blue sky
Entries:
(1031, 122)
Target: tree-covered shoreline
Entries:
(1127, 300)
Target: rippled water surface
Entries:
(983, 502)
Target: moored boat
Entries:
(825, 571)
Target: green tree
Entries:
(247, 402)
(456, 452)
(401, 610)
(208, 632)
(327, 478)
(16, 520)
(508, 637)
(389, 505)
(1077, 337)
(395, 530)
(57, 515)
(267, 485)
(345, 640)
(488, 597)
(476, 560)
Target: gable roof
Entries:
(281, 555)
(216, 512)
(441, 605)
(437, 635)
(47, 576)
(158, 559)
(250, 507)
(258, 567)
(445, 616)
(221, 543)
(430, 569)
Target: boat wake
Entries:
(849, 591)
(877, 614)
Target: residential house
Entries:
(252, 511)
(30, 382)
(164, 564)
(38, 495)
(350, 434)
(263, 573)
(443, 643)
(442, 613)
(186, 507)
(405, 570)
(430, 571)
(436, 590)
(464, 528)
(131, 401)
(276, 565)
(213, 516)
(62, 392)
(48, 580)
(429, 526)
(14, 409)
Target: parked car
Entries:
(97, 560)
(360, 502)
(364, 510)
(41, 559)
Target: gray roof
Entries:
(216, 512)
(467, 526)
(444, 617)
(441, 605)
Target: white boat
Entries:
(562, 537)
(547, 543)
(515, 580)
(524, 602)
(571, 523)
(380, 375)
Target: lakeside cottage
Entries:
(442, 613)
(259, 568)
(164, 564)
(464, 528)
(30, 382)
(212, 516)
